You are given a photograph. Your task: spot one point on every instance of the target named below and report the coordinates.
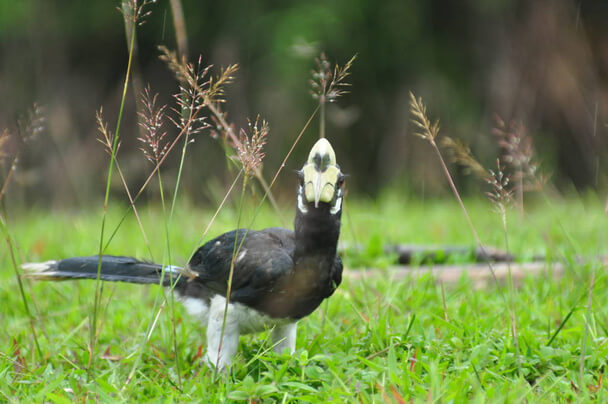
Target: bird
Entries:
(279, 276)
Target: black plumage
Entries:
(279, 274)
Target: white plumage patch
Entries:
(241, 255)
(173, 269)
(40, 270)
(334, 209)
(239, 320)
(196, 307)
(301, 205)
(247, 320)
(338, 204)
(39, 266)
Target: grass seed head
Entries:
(501, 193)
(134, 10)
(151, 119)
(460, 154)
(4, 145)
(329, 84)
(13, 141)
(251, 143)
(518, 152)
(196, 79)
(32, 124)
(106, 137)
(215, 92)
(427, 130)
(198, 90)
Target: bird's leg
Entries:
(284, 338)
(220, 351)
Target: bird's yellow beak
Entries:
(321, 173)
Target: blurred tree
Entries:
(544, 63)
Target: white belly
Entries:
(240, 319)
(246, 319)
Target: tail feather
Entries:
(113, 268)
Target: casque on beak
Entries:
(321, 173)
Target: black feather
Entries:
(113, 268)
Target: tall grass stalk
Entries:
(9, 176)
(219, 116)
(179, 176)
(581, 368)
(151, 121)
(501, 196)
(321, 119)
(250, 154)
(141, 190)
(28, 128)
(99, 284)
(106, 141)
(518, 154)
(169, 221)
(135, 212)
(151, 327)
(511, 286)
(179, 24)
(520, 190)
(129, 9)
(219, 208)
(443, 301)
(171, 298)
(11, 248)
(328, 84)
(235, 250)
(429, 132)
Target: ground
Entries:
(378, 340)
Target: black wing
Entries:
(261, 261)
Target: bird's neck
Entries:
(316, 233)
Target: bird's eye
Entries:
(341, 180)
(301, 177)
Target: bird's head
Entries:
(321, 179)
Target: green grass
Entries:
(380, 339)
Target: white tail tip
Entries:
(32, 267)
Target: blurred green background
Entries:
(543, 63)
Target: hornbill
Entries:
(279, 275)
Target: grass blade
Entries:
(561, 325)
